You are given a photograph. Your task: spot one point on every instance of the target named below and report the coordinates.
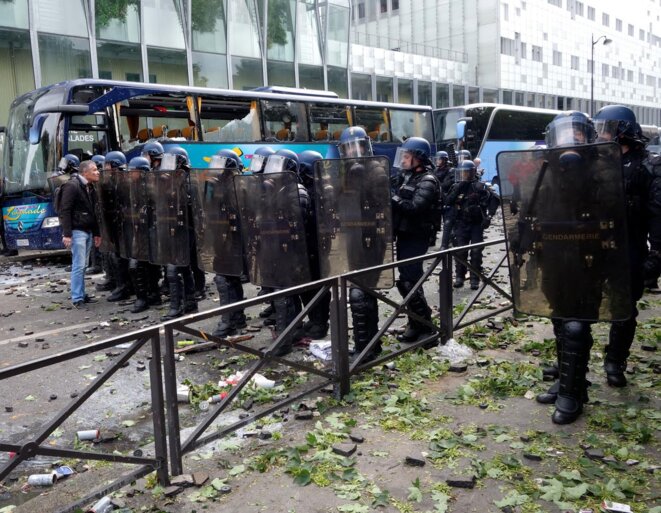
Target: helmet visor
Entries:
(464, 174)
(355, 148)
(63, 164)
(257, 163)
(403, 159)
(606, 129)
(275, 164)
(218, 162)
(567, 132)
(168, 162)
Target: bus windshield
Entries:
(26, 164)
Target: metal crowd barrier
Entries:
(165, 406)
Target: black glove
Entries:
(486, 222)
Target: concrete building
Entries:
(524, 52)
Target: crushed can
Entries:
(88, 434)
(104, 505)
(42, 479)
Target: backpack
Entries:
(57, 195)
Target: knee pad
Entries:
(577, 335)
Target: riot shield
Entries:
(109, 210)
(565, 226)
(272, 228)
(135, 207)
(354, 217)
(169, 229)
(217, 227)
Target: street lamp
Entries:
(594, 42)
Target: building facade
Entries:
(239, 44)
(523, 52)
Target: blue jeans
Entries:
(81, 245)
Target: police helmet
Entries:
(98, 160)
(259, 158)
(307, 159)
(175, 158)
(354, 142)
(139, 164)
(154, 149)
(618, 123)
(570, 129)
(282, 160)
(416, 147)
(440, 155)
(227, 159)
(115, 160)
(69, 164)
(466, 171)
(463, 155)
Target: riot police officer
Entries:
(69, 164)
(287, 308)
(317, 326)
(643, 199)
(153, 151)
(257, 165)
(115, 161)
(97, 259)
(449, 213)
(144, 276)
(230, 289)
(416, 196)
(180, 277)
(472, 205)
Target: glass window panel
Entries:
(14, 13)
(281, 74)
(361, 87)
(408, 123)
(490, 95)
(442, 95)
(63, 58)
(338, 34)
(280, 30)
(209, 26)
(119, 61)
(210, 70)
(284, 121)
(230, 120)
(247, 73)
(384, 89)
(424, 93)
(473, 95)
(328, 120)
(62, 16)
(405, 91)
(163, 24)
(244, 32)
(307, 31)
(117, 21)
(16, 63)
(374, 121)
(167, 66)
(337, 81)
(458, 95)
(311, 77)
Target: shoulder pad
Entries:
(653, 165)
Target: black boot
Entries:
(109, 283)
(575, 354)
(285, 312)
(176, 298)
(418, 305)
(190, 298)
(225, 327)
(124, 289)
(140, 282)
(317, 327)
(475, 281)
(364, 313)
(620, 339)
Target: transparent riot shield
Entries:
(354, 217)
(272, 227)
(135, 206)
(169, 229)
(217, 227)
(109, 211)
(125, 220)
(565, 226)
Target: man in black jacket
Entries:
(80, 226)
